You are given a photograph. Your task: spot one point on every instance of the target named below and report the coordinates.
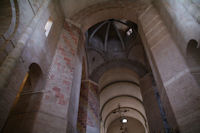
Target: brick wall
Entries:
(88, 116)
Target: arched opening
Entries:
(120, 96)
(156, 38)
(193, 59)
(115, 45)
(117, 61)
(132, 126)
(27, 101)
(33, 82)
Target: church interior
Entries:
(100, 66)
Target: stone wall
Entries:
(26, 103)
(178, 90)
(88, 115)
(182, 20)
(151, 105)
(5, 15)
(170, 69)
(9, 20)
(39, 48)
(74, 97)
(55, 101)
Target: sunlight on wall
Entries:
(48, 27)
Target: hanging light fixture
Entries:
(123, 119)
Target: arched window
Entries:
(193, 58)
(33, 82)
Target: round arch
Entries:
(132, 113)
(97, 13)
(193, 58)
(133, 125)
(91, 15)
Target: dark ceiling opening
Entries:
(113, 43)
(112, 35)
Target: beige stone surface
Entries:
(173, 70)
(165, 28)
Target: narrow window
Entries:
(48, 27)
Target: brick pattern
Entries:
(55, 101)
(62, 68)
(88, 107)
(82, 113)
(93, 105)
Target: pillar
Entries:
(151, 105)
(52, 115)
(74, 98)
(88, 116)
(157, 118)
(175, 82)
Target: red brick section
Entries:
(58, 86)
(83, 105)
(62, 68)
(88, 107)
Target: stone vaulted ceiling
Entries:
(114, 43)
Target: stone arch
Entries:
(132, 125)
(135, 110)
(103, 11)
(193, 58)
(121, 56)
(138, 67)
(115, 90)
(34, 78)
(120, 85)
(9, 18)
(193, 50)
(108, 10)
(139, 116)
(118, 74)
(27, 100)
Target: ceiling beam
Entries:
(94, 32)
(106, 36)
(120, 37)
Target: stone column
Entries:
(175, 82)
(88, 117)
(151, 105)
(74, 98)
(11, 60)
(158, 120)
